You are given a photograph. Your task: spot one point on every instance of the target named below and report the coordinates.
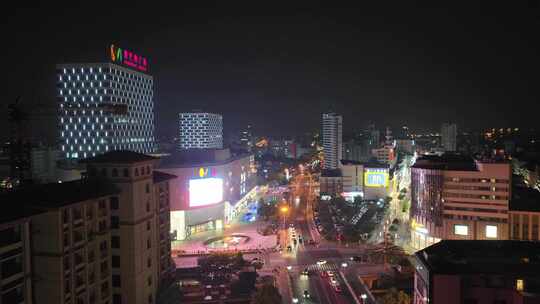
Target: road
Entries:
(292, 283)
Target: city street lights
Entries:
(363, 297)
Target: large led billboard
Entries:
(376, 178)
(205, 191)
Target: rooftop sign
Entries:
(128, 58)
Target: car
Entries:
(330, 273)
(321, 262)
(324, 274)
(208, 298)
(305, 272)
(333, 280)
(306, 294)
(289, 248)
(337, 288)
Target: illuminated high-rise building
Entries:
(105, 106)
(448, 136)
(200, 130)
(332, 140)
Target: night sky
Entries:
(278, 67)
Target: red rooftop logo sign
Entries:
(128, 58)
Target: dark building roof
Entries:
(119, 157)
(524, 199)
(447, 161)
(197, 157)
(482, 257)
(331, 173)
(15, 212)
(369, 164)
(56, 195)
(159, 176)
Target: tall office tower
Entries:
(332, 140)
(200, 130)
(448, 136)
(388, 137)
(246, 138)
(105, 106)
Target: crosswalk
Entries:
(323, 267)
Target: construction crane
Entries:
(20, 119)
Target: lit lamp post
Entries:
(284, 211)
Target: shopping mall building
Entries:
(455, 197)
(212, 188)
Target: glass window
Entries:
(491, 231)
(114, 172)
(461, 229)
(126, 172)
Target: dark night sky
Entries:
(279, 67)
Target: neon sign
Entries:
(128, 58)
(205, 172)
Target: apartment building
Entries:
(70, 240)
(135, 231)
(478, 272)
(165, 264)
(15, 262)
(524, 214)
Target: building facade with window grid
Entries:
(201, 131)
(104, 107)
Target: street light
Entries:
(284, 209)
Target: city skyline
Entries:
(373, 64)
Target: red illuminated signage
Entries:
(128, 58)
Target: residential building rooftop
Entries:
(482, 257)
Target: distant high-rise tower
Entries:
(332, 140)
(200, 130)
(388, 137)
(246, 138)
(105, 106)
(448, 136)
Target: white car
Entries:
(321, 262)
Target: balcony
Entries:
(13, 296)
(78, 237)
(9, 237)
(102, 212)
(10, 268)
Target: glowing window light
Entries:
(491, 231)
(461, 230)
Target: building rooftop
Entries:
(331, 173)
(159, 176)
(369, 164)
(447, 161)
(524, 199)
(119, 157)
(15, 212)
(57, 195)
(199, 157)
(482, 257)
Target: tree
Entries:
(395, 297)
(267, 294)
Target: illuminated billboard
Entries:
(205, 191)
(376, 178)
